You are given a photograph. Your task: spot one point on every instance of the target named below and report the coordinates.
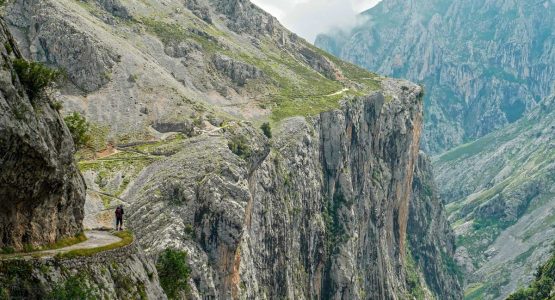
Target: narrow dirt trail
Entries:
(95, 239)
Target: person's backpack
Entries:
(119, 212)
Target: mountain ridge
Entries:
(485, 64)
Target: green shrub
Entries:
(238, 145)
(190, 231)
(7, 45)
(174, 272)
(7, 250)
(57, 105)
(73, 288)
(79, 128)
(543, 287)
(267, 130)
(35, 76)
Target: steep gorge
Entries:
(320, 210)
(500, 194)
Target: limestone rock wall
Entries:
(431, 239)
(41, 191)
(319, 211)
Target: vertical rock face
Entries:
(347, 200)
(321, 211)
(431, 239)
(484, 63)
(41, 191)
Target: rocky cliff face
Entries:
(501, 194)
(431, 239)
(319, 212)
(484, 63)
(41, 191)
(42, 197)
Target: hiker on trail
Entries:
(119, 217)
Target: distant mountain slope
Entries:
(501, 194)
(170, 64)
(484, 63)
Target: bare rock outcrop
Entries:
(431, 239)
(320, 212)
(52, 39)
(41, 191)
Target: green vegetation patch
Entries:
(174, 272)
(472, 148)
(168, 146)
(74, 287)
(483, 230)
(79, 128)
(66, 242)
(35, 76)
(266, 129)
(474, 291)
(239, 146)
(130, 164)
(543, 286)
(126, 239)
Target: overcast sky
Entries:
(307, 18)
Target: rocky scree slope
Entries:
(500, 191)
(142, 68)
(318, 211)
(484, 63)
(41, 190)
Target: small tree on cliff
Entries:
(267, 130)
(35, 76)
(174, 272)
(79, 128)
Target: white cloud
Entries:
(307, 18)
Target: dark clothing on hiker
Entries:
(119, 212)
(119, 217)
